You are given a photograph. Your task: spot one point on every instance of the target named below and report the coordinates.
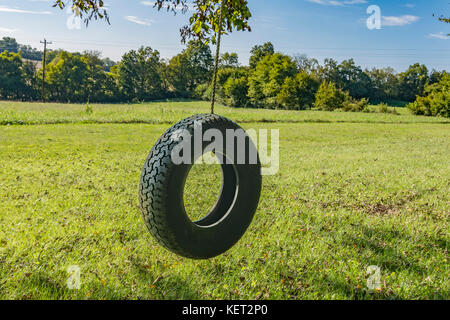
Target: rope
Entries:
(216, 67)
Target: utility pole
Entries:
(43, 68)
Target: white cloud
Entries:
(337, 3)
(439, 35)
(317, 1)
(14, 10)
(8, 30)
(399, 21)
(354, 2)
(143, 22)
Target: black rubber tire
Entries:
(162, 203)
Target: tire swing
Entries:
(162, 189)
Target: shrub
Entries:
(356, 105)
(236, 91)
(223, 75)
(329, 98)
(201, 91)
(89, 110)
(384, 108)
(266, 80)
(298, 93)
(436, 102)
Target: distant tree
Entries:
(190, 68)
(230, 60)
(139, 74)
(266, 80)
(177, 76)
(306, 64)
(99, 85)
(31, 53)
(15, 77)
(236, 92)
(413, 82)
(298, 92)
(329, 97)
(223, 77)
(54, 54)
(67, 77)
(353, 79)
(346, 76)
(108, 64)
(436, 99)
(329, 71)
(259, 52)
(112, 88)
(229, 72)
(436, 76)
(9, 44)
(32, 83)
(27, 52)
(384, 85)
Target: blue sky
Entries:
(318, 28)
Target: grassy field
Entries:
(354, 190)
(17, 113)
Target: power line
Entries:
(129, 44)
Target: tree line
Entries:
(271, 80)
(11, 45)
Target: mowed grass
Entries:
(370, 191)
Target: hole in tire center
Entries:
(202, 188)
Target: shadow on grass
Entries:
(166, 286)
(40, 285)
(394, 251)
